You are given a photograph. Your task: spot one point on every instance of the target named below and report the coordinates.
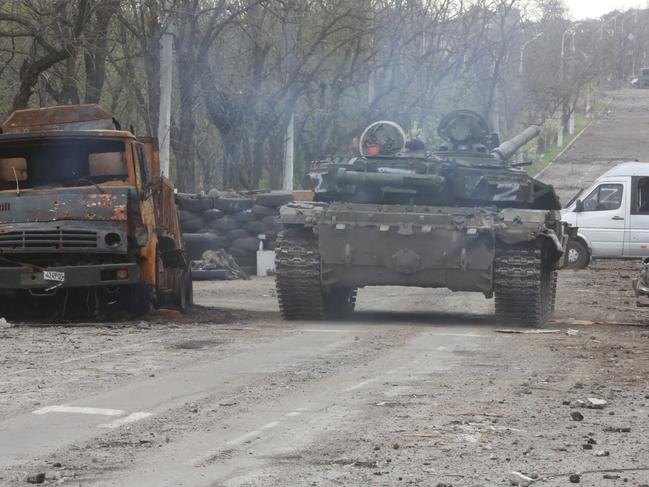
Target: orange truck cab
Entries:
(85, 217)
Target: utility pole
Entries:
(166, 77)
(562, 77)
(289, 140)
(287, 185)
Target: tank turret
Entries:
(470, 167)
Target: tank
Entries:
(461, 216)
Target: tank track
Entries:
(525, 289)
(299, 289)
(297, 267)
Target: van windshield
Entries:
(574, 198)
(56, 163)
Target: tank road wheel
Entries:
(524, 287)
(297, 268)
(552, 295)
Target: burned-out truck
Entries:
(86, 221)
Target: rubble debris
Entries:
(38, 478)
(576, 416)
(617, 429)
(517, 478)
(595, 403)
(575, 478)
(170, 314)
(217, 265)
(527, 332)
(5, 324)
(602, 453)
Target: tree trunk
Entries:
(96, 50)
(29, 73)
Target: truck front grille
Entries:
(48, 239)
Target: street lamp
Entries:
(571, 123)
(520, 66)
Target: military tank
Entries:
(460, 216)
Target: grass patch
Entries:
(541, 161)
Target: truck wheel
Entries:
(183, 290)
(137, 299)
(297, 264)
(187, 293)
(339, 302)
(523, 286)
(577, 255)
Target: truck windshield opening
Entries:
(54, 163)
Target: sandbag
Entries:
(263, 211)
(193, 203)
(237, 233)
(233, 205)
(224, 224)
(191, 224)
(197, 243)
(244, 216)
(271, 221)
(242, 254)
(211, 215)
(274, 199)
(248, 243)
(255, 227)
(186, 215)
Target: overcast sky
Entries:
(583, 9)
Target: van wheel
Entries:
(577, 255)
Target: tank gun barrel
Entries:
(508, 148)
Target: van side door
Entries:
(602, 218)
(636, 241)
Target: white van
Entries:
(612, 216)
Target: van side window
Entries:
(640, 195)
(605, 197)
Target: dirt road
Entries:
(418, 389)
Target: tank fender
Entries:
(302, 213)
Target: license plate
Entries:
(54, 276)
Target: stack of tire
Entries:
(232, 222)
